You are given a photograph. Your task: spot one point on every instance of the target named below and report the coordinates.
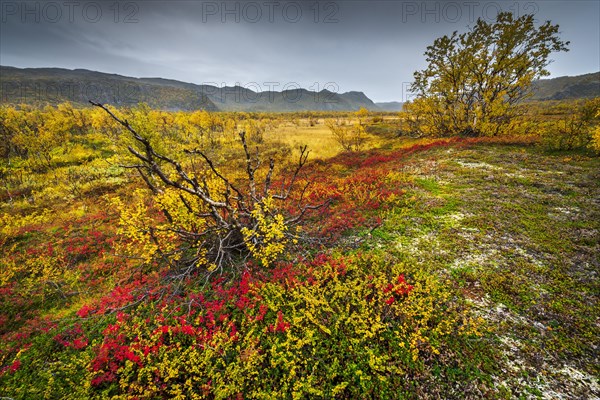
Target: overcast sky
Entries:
(344, 45)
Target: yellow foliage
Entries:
(9, 224)
(267, 239)
(595, 143)
(144, 237)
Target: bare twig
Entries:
(224, 213)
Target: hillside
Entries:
(39, 86)
(561, 88)
(567, 87)
(390, 106)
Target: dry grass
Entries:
(319, 139)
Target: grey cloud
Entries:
(371, 46)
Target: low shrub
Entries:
(337, 326)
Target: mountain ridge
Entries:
(390, 105)
(38, 86)
(50, 85)
(567, 87)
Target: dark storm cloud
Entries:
(372, 46)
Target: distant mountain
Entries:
(567, 87)
(561, 88)
(39, 86)
(241, 99)
(390, 106)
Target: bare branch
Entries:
(222, 213)
(301, 162)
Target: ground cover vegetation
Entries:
(153, 254)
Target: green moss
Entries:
(526, 238)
